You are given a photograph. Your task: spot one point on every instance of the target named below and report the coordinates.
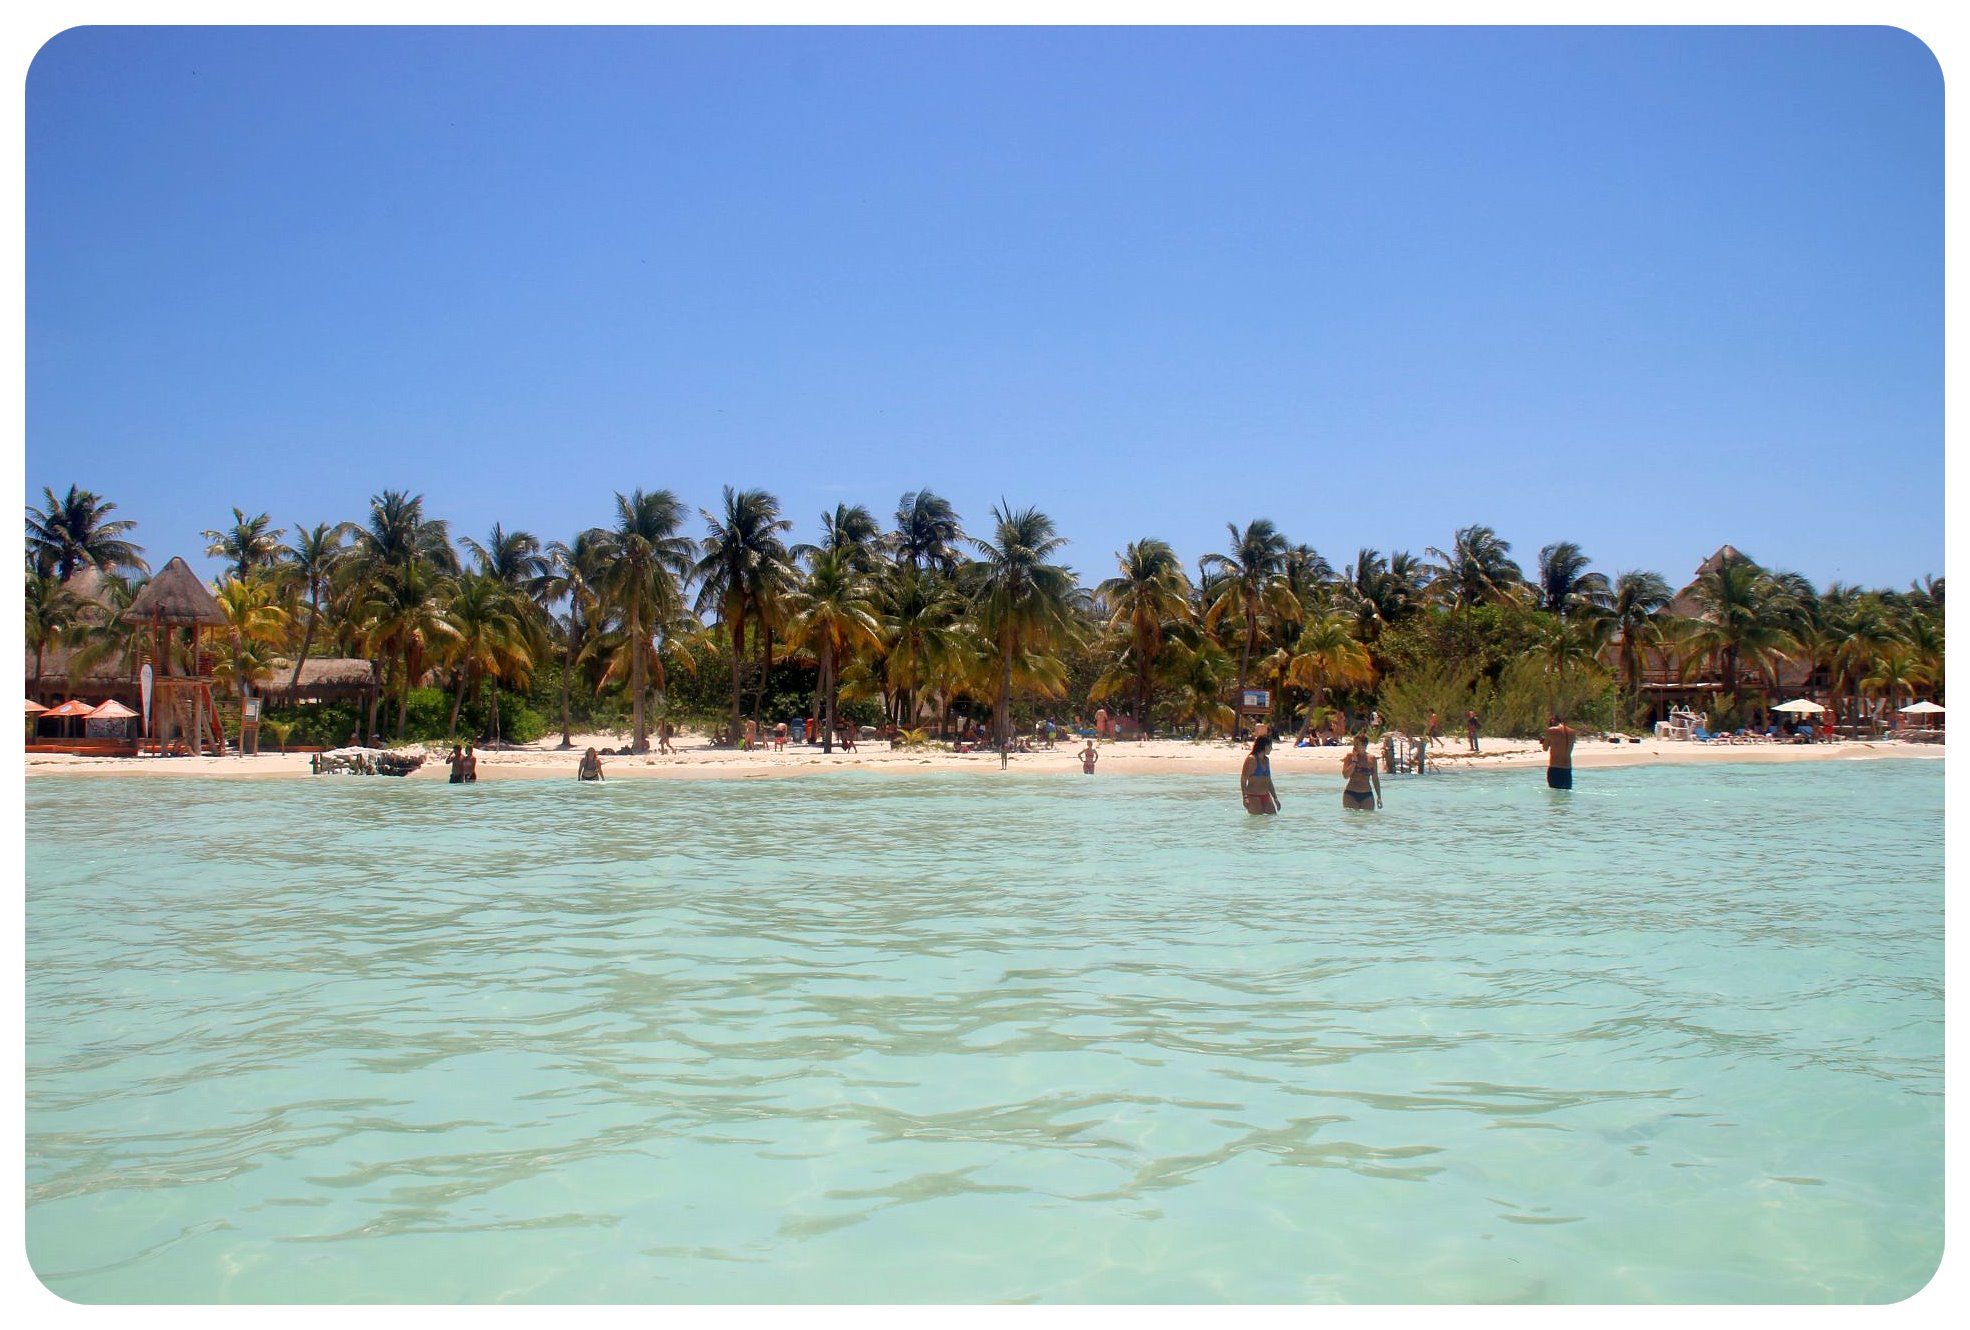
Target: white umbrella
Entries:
(1799, 704)
(1922, 708)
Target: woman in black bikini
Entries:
(1255, 778)
(1364, 787)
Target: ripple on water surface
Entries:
(1676, 1036)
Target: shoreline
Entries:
(698, 760)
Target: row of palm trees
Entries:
(920, 615)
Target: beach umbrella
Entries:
(1922, 708)
(34, 708)
(1800, 704)
(111, 710)
(70, 709)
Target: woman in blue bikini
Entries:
(1255, 778)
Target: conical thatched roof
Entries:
(175, 595)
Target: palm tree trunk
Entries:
(567, 668)
(738, 655)
(1005, 702)
(403, 699)
(827, 687)
(457, 701)
(307, 640)
(495, 710)
(640, 739)
(765, 668)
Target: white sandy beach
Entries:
(698, 759)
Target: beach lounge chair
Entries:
(1702, 735)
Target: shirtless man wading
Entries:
(1558, 743)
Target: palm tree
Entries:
(919, 613)
(489, 640)
(1746, 620)
(398, 534)
(572, 574)
(1632, 623)
(850, 530)
(1565, 586)
(72, 530)
(1196, 669)
(1893, 674)
(645, 566)
(927, 532)
(404, 618)
(511, 558)
(1021, 600)
(1326, 653)
(51, 613)
(746, 567)
(311, 561)
(249, 545)
(255, 624)
(1477, 570)
(1150, 594)
(831, 613)
(1249, 579)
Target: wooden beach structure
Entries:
(181, 704)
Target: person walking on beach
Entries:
(1435, 731)
(469, 764)
(1088, 758)
(1364, 787)
(457, 764)
(591, 766)
(1255, 778)
(1471, 728)
(1558, 743)
(663, 739)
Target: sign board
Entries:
(249, 710)
(1255, 699)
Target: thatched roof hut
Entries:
(176, 596)
(322, 678)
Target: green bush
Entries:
(1527, 695)
(320, 725)
(1408, 699)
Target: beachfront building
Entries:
(1670, 681)
(322, 679)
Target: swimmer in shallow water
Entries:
(591, 766)
(1255, 778)
(1364, 787)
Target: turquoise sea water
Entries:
(1676, 1036)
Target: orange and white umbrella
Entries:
(111, 710)
(75, 706)
(34, 708)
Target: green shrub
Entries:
(1408, 699)
(1526, 695)
(318, 725)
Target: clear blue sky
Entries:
(1650, 290)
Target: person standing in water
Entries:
(457, 764)
(1558, 743)
(1364, 787)
(591, 766)
(1088, 758)
(1255, 778)
(469, 764)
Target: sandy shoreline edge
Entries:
(698, 760)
